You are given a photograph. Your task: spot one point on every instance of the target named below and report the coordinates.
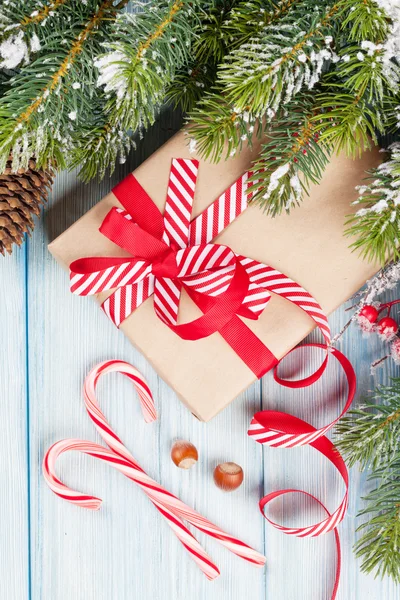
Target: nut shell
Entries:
(228, 476)
(184, 454)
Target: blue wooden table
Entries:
(51, 550)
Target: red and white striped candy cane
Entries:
(173, 509)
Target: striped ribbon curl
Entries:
(281, 430)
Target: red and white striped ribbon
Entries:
(135, 281)
(179, 229)
(221, 213)
(125, 300)
(119, 457)
(281, 430)
(217, 217)
(179, 203)
(280, 284)
(137, 285)
(177, 213)
(266, 435)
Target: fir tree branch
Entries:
(111, 146)
(355, 98)
(77, 47)
(147, 50)
(134, 81)
(24, 29)
(353, 122)
(376, 224)
(258, 81)
(248, 19)
(218, 131)
(365, 20)
(190, 83)
(262, 75)
(252, 58)
(210, 45)
(160, 29)
(38, 111)
(37, 16)
(370, 435)
(294, 157)
(378, 546)
(211, 42)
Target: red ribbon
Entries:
(142, 237)
(278, 429)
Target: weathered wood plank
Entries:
(126, 549)
(310, 563)
(14, 531)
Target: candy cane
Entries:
(171, 507)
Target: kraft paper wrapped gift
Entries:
(308, 246)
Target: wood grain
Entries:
(14, 441)
(55, 551)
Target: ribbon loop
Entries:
(91, 275)
(125, 233)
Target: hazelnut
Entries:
(228, 476)
(184, 454)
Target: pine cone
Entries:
(21, 195)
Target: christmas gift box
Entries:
(231, 329)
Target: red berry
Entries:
(304, 151)
(387, 327)
(369, 312)
(295, 134)
(295, 160)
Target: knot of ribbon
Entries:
(166, 258)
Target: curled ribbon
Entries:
(118, 456)
(281, 430)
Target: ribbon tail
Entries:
(125, 300)
(89, 276)
(248, 347)
(281, 430)
(167, 294)
(221, 213)
(180, 196)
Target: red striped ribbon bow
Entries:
(172, 251)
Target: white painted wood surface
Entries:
(50, 550)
